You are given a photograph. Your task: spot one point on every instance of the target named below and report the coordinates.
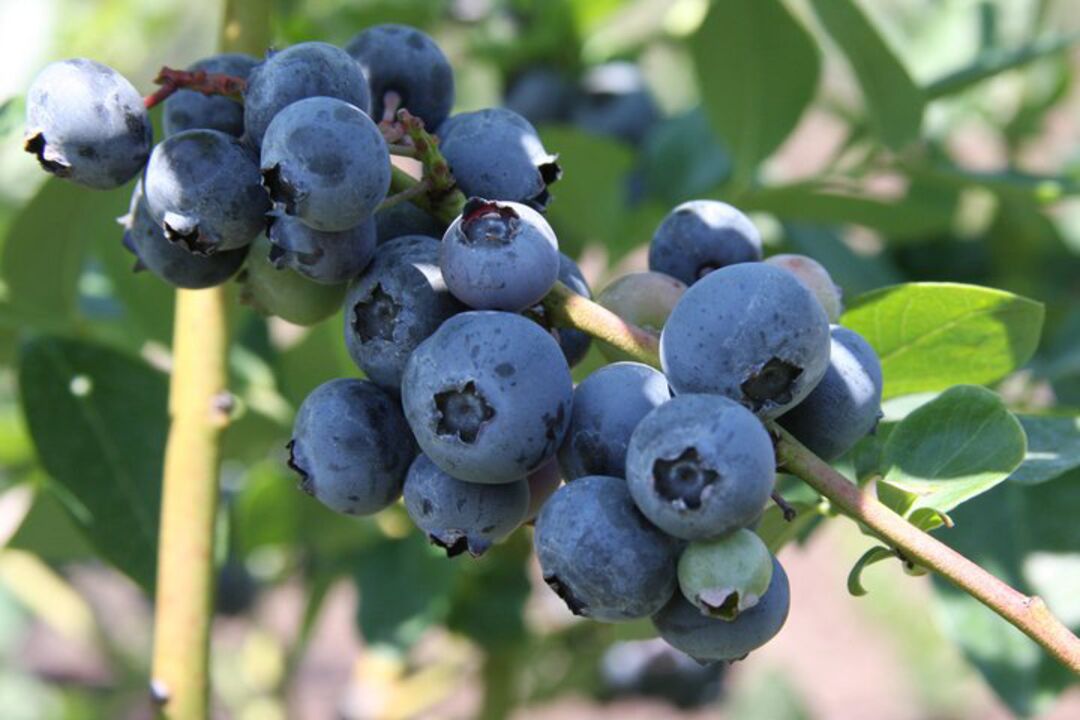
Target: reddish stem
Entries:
(201, 81)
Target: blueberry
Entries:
(499, 256)
(309, 69)
(488, 396)
(700, 466)
(541, 95)
(461, 516)
(543, 482)
(846, 405)
(325, 162)
(496, 153)
(404, 218)
(709, 639)
(395, 305)
(172, 263)
(652, 668)
(700, 236)
(600, 554)
(330, 258)
(574, 343)
(406, 61)
(814, 278)
(190, 110)
(608, 405)
(85, 122)
(203, 187)
(645, 299)
(351, 447)
(725, 577)
(616, 102)
(285, 293)
(750, 332)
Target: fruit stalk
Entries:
(568, 309)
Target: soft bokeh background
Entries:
(323, 616)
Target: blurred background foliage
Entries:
(895, 140)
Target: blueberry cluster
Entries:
(467, 409)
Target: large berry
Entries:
(283, 292)
(404, 218)
(325, 162)
(488, 396)
(645, 299)
(724, 577)
(616, 102)
(608, 405)
(816, 279)
(600, 554)
(496, 153)
(700, 236)
(330, 258)
(172, 263)
(203, 186)
(190, 110)
(308, 69)
(395, 305)
(85, 122)
(750, 332)
(499, 256)
(846, 405)
(710, 639)
(700, 466)
(402, 60)
(351, 447)
(461, 516)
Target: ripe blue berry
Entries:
(325, 162)
(351, 447)
(405, 61)
(846, 405)
(203, 187)
(608, 405)
(191, 110)
(330, 258)
(700, 466)
(283, 292)
(461, 516)
(616, 102)
(750, 332)
(700, 236)
(308, 69)
(86, 123)
(488, 396)
(600, 554)
(395, 305)
(499, 256)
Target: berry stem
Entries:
(172, 80)
(1029, 614)
(409, 193)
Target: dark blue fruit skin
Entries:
(309, 69)
(401, 59)
(708, 639)
(404, 218)
(351, 447)
(616, 102)
(608, 405)
(750, 332)
(496, 153)
(398, 302)
(700, 236)
(541, 95)
(86, 123)
(652, 668)
(600, 554)
(325, 257)
(846, 405)
(325, 162)
(499, 256)
(172, 263)
(204, 187)
(574, 343)
(460, 516)
(700, 466)
(517, 387)
(189, 110)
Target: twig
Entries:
(201, 81)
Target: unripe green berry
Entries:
(724, 576)
(644, 299)
(815, 278)
(285, 292)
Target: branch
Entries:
(201, 81)
(1028, 614)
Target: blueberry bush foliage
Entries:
(909, 148)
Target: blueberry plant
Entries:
(743, 399)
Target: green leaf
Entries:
(996, 61)
(893, 101)
(681, 159)
(758, 70)
(489, 595)
(930, 336)
(777, 532)
(49, 531)
(950, 450)
(1053, 448)
(873, 555)
(98, 419)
